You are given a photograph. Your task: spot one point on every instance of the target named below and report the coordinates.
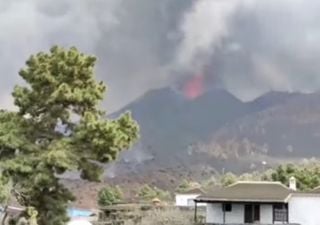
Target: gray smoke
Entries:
(247, 46)
(257, 45)
(204, 28)
(34, 25)
(134, 40)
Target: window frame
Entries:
(227, 207)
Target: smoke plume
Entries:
(254, 46)
(204, 28)
(246, 46)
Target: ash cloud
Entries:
(258, 46)
(31, 26)
(134, 40)
(247, 46)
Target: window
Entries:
(227, 207)
(280, 212)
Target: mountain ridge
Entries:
(181, 136)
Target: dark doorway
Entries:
(256, 213)
(248, 214)
(251, 213)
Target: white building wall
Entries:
(266, 214)
(186, 199)
(304, 210)
(236, 215)
(214, 213)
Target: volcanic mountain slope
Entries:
(179, 134)
(170, 122)
(183, 138)
(289, 130)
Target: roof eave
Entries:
(269, 201)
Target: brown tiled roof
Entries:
(249, 192)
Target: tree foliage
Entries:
(186, 185)
(58, 127)
(148, 193)
(183, 186)
(228, 179)
(109, 196)
(4, 190)
(307, 177)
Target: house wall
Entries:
(186, 199)
(236, 216)
(266, 214)
(304, 210)
(215, 213)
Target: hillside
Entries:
(183, 137)
(289, 130)
(212, 134)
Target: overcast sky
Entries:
(247, 46)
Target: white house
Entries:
(187, 198)
(79, 222)
(261, 203)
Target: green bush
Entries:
(307, 176)
(109, 196)
(165, 217)
(148, 193)
(183, 186)
(228, 179)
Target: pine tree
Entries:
(58, 127)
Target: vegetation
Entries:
(29, 217)
(308, 177)
(183, 186)
(5, 194)
(57, 128)
(165, 217)
(148, 193)
(186, 185)
(4, 190)
(109, 196)
(228, 179)
(149, 215)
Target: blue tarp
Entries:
(79, 213)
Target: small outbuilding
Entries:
(187, 198)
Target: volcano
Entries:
(194, 87)
(173, 128)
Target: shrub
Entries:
(165, 217)
(228, 179)
(109, 196)
(148, 193)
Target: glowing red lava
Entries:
(194, 87)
